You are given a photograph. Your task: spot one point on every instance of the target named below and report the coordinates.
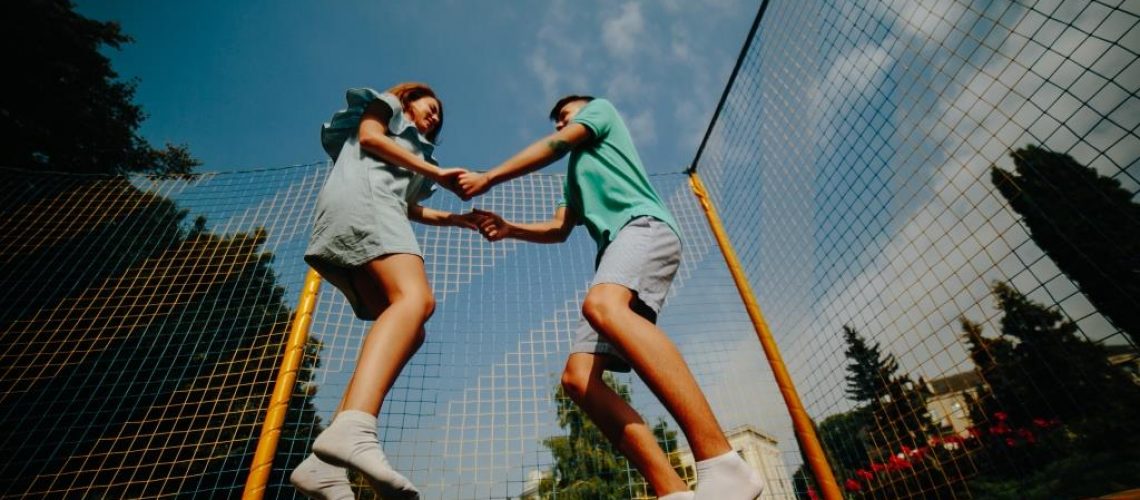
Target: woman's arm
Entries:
(374, 139)
(554, 230)
(433, 217)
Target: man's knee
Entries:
(576, 379)
(601, 305)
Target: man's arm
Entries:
(554, 230)
(539, 154)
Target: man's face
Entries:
(567, 113)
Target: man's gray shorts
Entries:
(643, 257)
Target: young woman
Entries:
(363, 244)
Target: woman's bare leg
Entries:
(351, 440)
(397, 333)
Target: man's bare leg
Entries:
(618, 421)
(722, 474)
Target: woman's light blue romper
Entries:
(362, 210)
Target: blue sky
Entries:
(889, 96)
(247, 84)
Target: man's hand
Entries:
(449, 179)
(473, 220)
(491, 225)
(472, 184)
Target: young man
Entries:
(639, 251)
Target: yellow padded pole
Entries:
(801, 423)
(283, 390)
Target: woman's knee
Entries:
(421, 302)
(402, 281)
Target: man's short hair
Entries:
(567, 100)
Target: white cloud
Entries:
(860, 70)
(558, 57)
(643, 129)
(964, 214)
(546, 73)
(620, 34)
(933, 20)
(656, 61)
(944, 252)
(625, 86)
(849, 82)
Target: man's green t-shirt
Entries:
(606, 185)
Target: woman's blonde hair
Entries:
(410, 91)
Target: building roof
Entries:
(737, 432)
(954, 383)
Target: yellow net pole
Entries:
(801, 423)
(283, 390)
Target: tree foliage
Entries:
(1086, 222)
(586, 465)
(157, 342)
(142, 348)
(896, 406)
(1039, 373)
(65, 109)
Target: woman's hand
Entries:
(491, 225)
(473, 184)
(469, 220)
(449, 179)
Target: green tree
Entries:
(870, 372)
(65, 109)
(990, 356)
(1041, 367)
(153, 366)
(153, 339)
(1040, 373)
(667, 440)
(586, 465)
(803, 482)
(1087, 223)
(843, 438)
(894, 421)
(896, 405)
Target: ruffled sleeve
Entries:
(345, 122)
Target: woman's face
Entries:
(424, 112)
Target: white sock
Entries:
(679, 495)
(727, 477)
(350, 441)
(317, 479)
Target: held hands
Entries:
(491, 225)
(469, 220)
(464, 183)
(472, 184)
(449, 179)
(467, 185)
